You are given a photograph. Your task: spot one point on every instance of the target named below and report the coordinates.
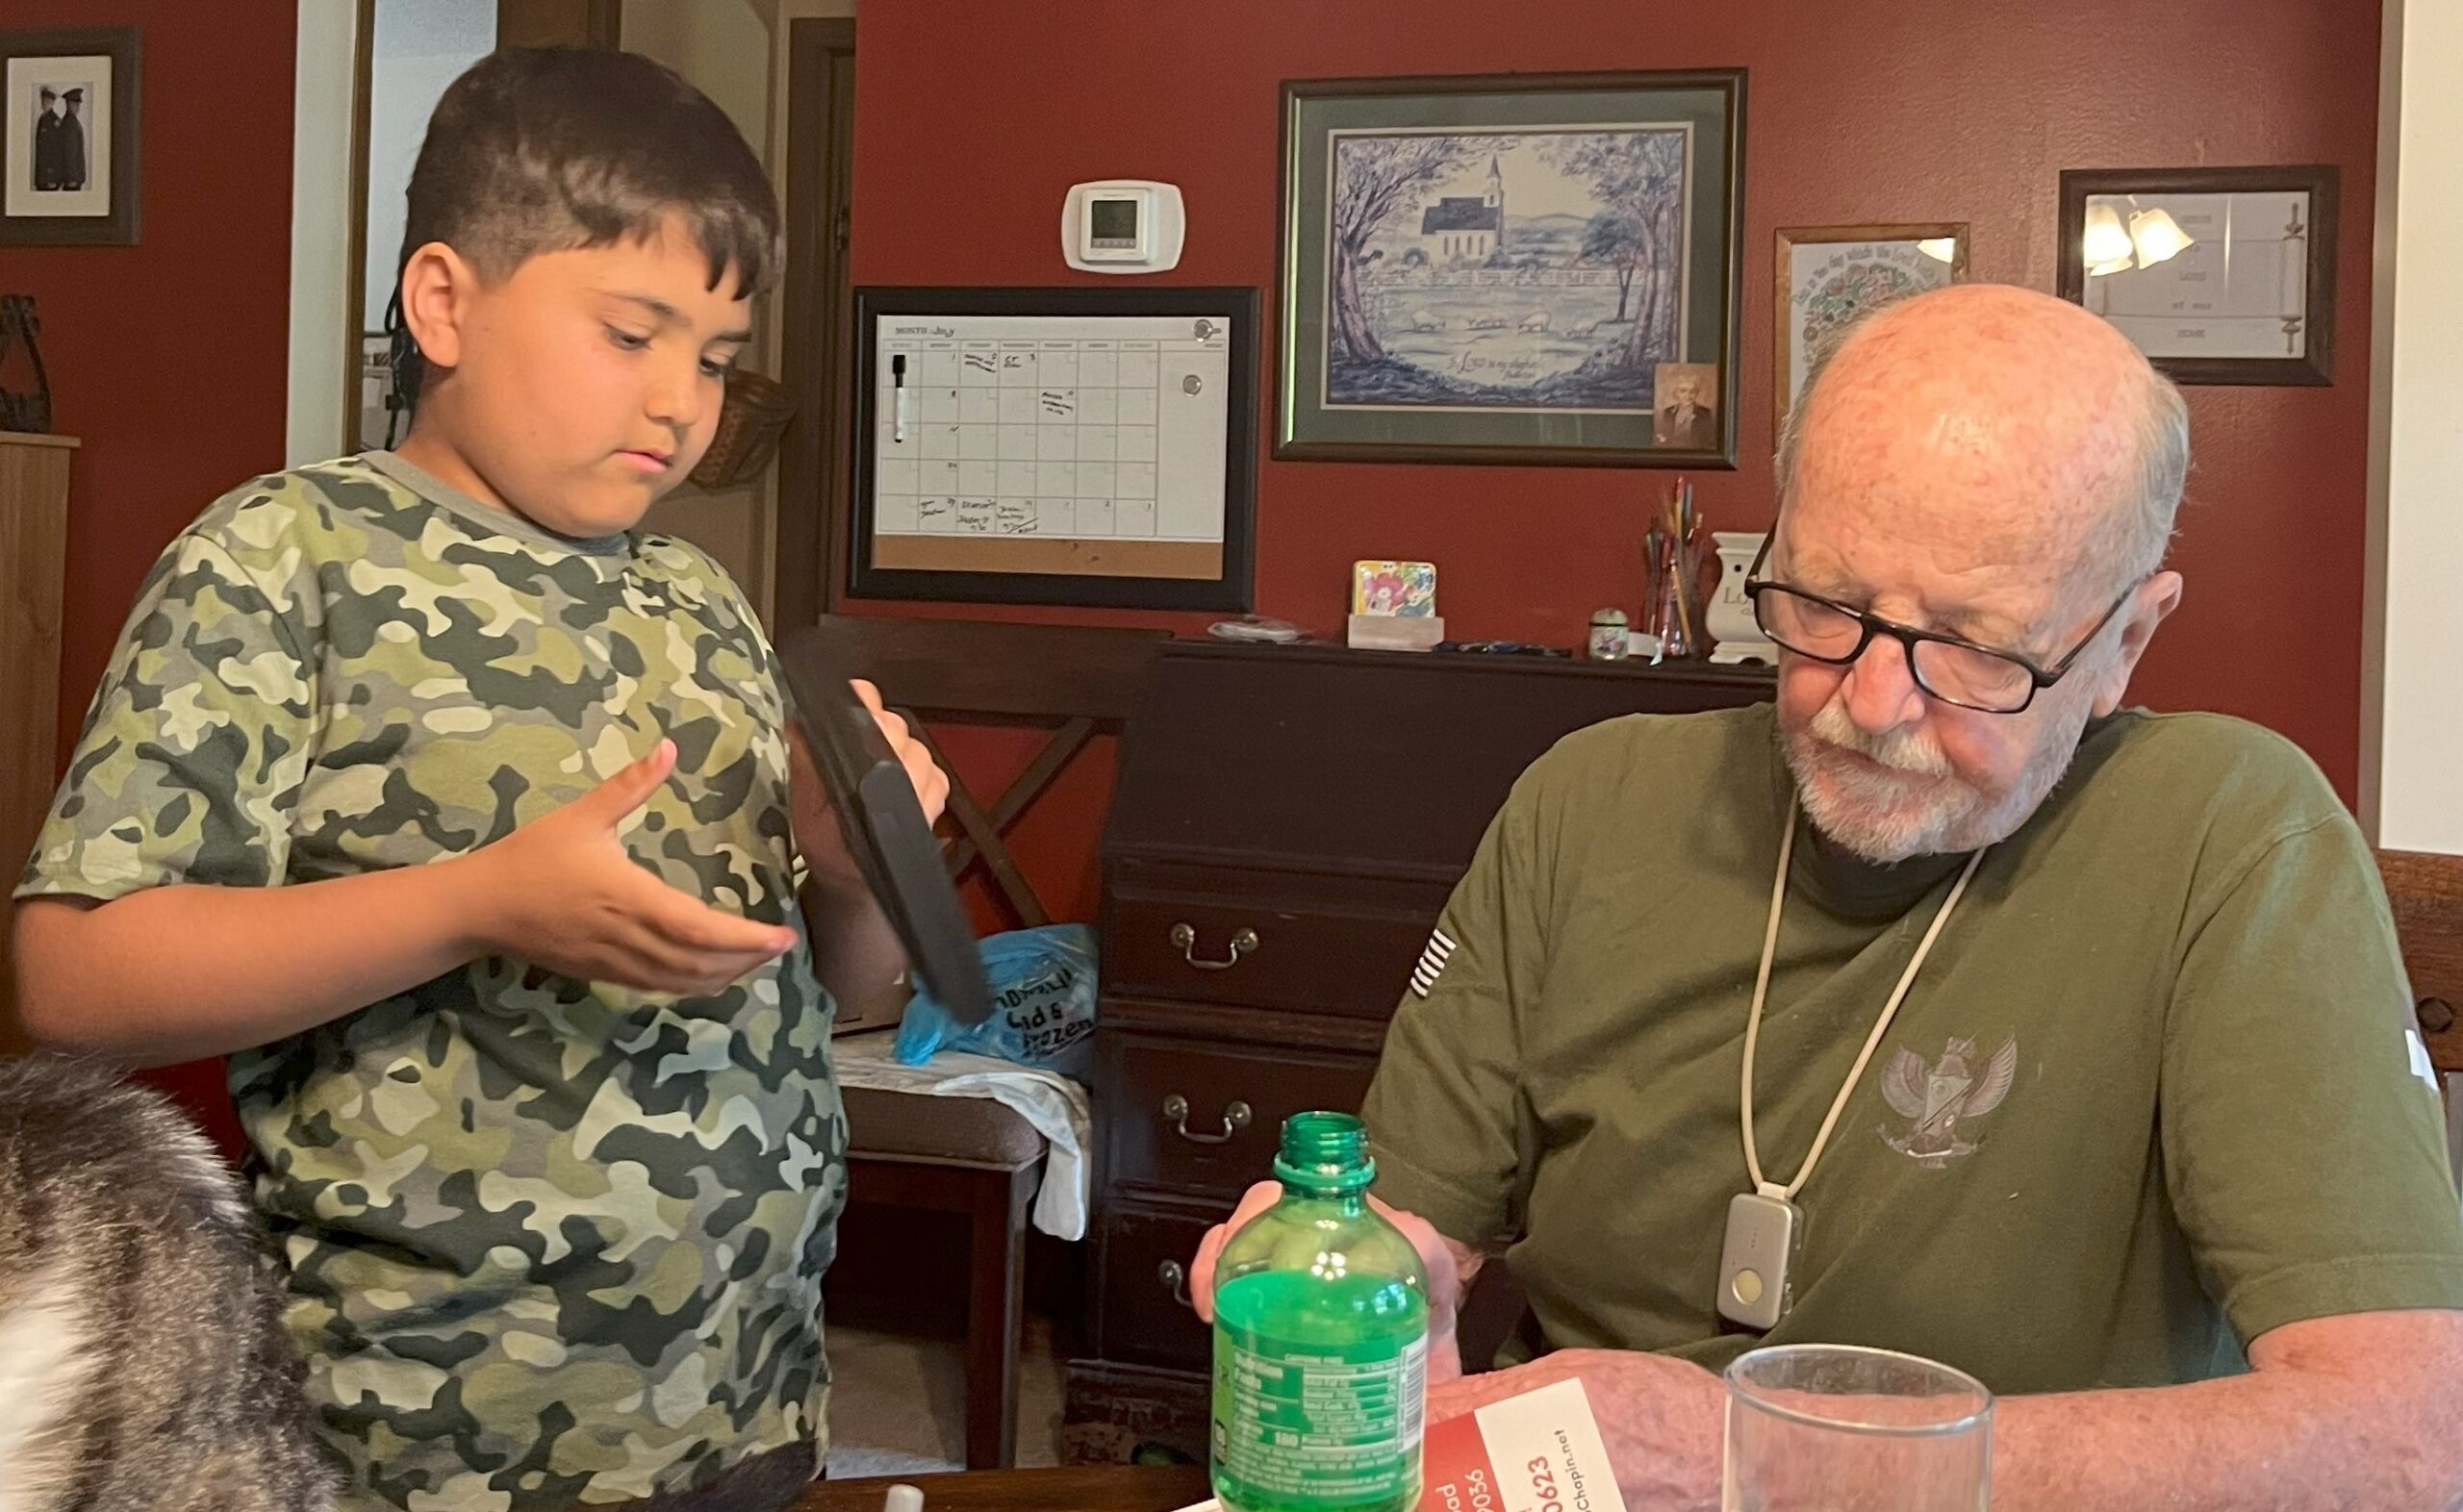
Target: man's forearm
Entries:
(2276, 1440)
(176, 973)
(2336, 1414)
(855, 952)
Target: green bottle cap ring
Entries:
(1325, 1151)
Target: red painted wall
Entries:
(973, 117)
(168, 357)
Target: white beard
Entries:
(1917, 807)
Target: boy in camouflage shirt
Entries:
(461, 815)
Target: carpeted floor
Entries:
(898, 1403)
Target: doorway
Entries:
(408, 52)
(817, 353)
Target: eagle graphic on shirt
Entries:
(1944, 1096)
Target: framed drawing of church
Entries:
(1511, 269)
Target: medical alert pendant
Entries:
(1757, 1260)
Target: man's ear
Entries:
(436, 286)
(2149, 604)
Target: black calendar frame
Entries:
(1233, 589)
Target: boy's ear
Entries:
(437, 285)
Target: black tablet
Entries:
(884, 828)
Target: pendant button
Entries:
(1763, 1234)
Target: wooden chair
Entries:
(969, 1156)
(1074, 681)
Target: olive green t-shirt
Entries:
(545, 1241)
(2154, 1092)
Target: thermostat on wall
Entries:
(1123, 226)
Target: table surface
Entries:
(1098, 1489)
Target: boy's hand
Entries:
(817, 834)
(561, 892)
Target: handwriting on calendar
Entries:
(1108, 428)
(979, 517)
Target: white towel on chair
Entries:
(1056, 1107)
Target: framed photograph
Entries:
(1066, 445)
(1829, 275)
(68, 137)
(2219, 275)
(1503, 269)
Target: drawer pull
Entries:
(1176, 1281)
(1236, 1117)
(1184, 936)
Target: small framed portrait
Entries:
(1685, 406)
(69, 137)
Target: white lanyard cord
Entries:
(1872, 1041)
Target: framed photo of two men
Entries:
(69, 137)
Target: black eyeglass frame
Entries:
(1871, 624)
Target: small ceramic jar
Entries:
(1608, 641)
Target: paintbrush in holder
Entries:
(1674, 553)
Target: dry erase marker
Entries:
(898, 405)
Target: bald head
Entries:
(1986, 467)
(2013, 422)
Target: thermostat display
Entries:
(1121, 226)
(1115, 225)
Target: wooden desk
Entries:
(1142, 1488)
(1287, 823)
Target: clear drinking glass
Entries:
(1835, 1428)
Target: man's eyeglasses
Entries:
(1946, 668)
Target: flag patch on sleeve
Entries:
(1440, 949)
(2421, 1065)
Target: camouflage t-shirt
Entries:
(546, 1241)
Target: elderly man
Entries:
(2074, 1037)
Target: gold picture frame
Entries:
(1848, 270)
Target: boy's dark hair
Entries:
(551, 149)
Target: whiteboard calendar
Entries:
(1096, 428)
(1065, 446)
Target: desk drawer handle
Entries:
(1236, 1117)
(1184, 936)
(2436, 1014)
(1176, 1281)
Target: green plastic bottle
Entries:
(1320, 1339)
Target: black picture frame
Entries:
(1709, 102)
(1231, 590)
(2314, 367)
(121, 226)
